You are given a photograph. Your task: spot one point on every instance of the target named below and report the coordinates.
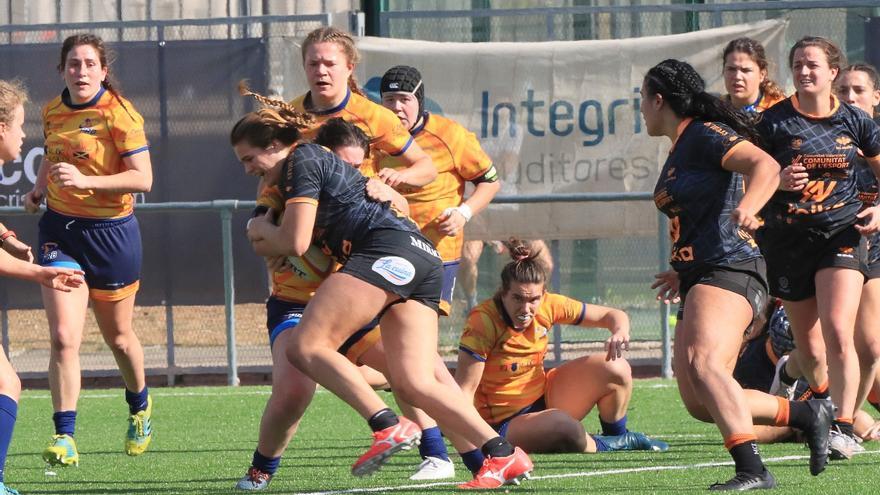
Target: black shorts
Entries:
(746, 278)
(873, 262)
(794, 255)
(754, 367)
(403, 263)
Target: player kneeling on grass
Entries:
(501, 366)
(20, 265)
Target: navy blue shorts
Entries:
(754, 366)
(450, 274)
(108, 251)
(502, 426)
(873, 262)
(282, 315)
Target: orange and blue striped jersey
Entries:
(384, 129)
(299, 282)
(95, 137)
(459, 158)
(514, 375)
(762, 103)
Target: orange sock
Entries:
(735, 439)
(848, 421)
(781, 418)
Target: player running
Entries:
(814, 227)
(97, 155)
(718, 265)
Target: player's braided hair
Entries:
(105, 56)
(260, 128)
(337, 133)
(836, 58)
(330, 34)
(12, 94)
(755, 51)
(525, 267)
(684, 91)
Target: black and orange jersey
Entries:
(95, 137)
(312, 174)
(458, 158)
(827, 146)
(513, 376)
(698, 195)
(866, 179)
(384, 129)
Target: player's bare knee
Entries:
(619, 372)
(10, 384)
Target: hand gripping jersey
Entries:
(312, 174)
(698, 195)
(94, 136)
(514, 376)
(827, 147)
(458, 157)
(299, 283)
(384, 129)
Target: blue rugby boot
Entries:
(633, 440)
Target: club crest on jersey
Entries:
(843, 143)
(81, 155)
(85, 127)
(395, 269)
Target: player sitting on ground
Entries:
(501, 366)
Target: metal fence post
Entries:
(229, 300)
(555, 284)
(4, 323)
(663, 265)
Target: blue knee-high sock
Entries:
(601, 446)
(137, 401)
(8, 412)
(65, 422)
(614, 429)
(473, 460)
(432, 444)
(265, 464)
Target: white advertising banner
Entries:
(556, 117)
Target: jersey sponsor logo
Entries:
(395, 269)
(783, 283)
(845, 252)
(81, 155)
(86, 127)
(424, 246)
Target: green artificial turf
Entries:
(204, 439)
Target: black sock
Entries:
(844, 427)
(383, 419)
(785, 378)
(497, 447)
(747, 458)
(800, 415)
(819, 395)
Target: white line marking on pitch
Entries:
(676, 467)
(163, 394)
